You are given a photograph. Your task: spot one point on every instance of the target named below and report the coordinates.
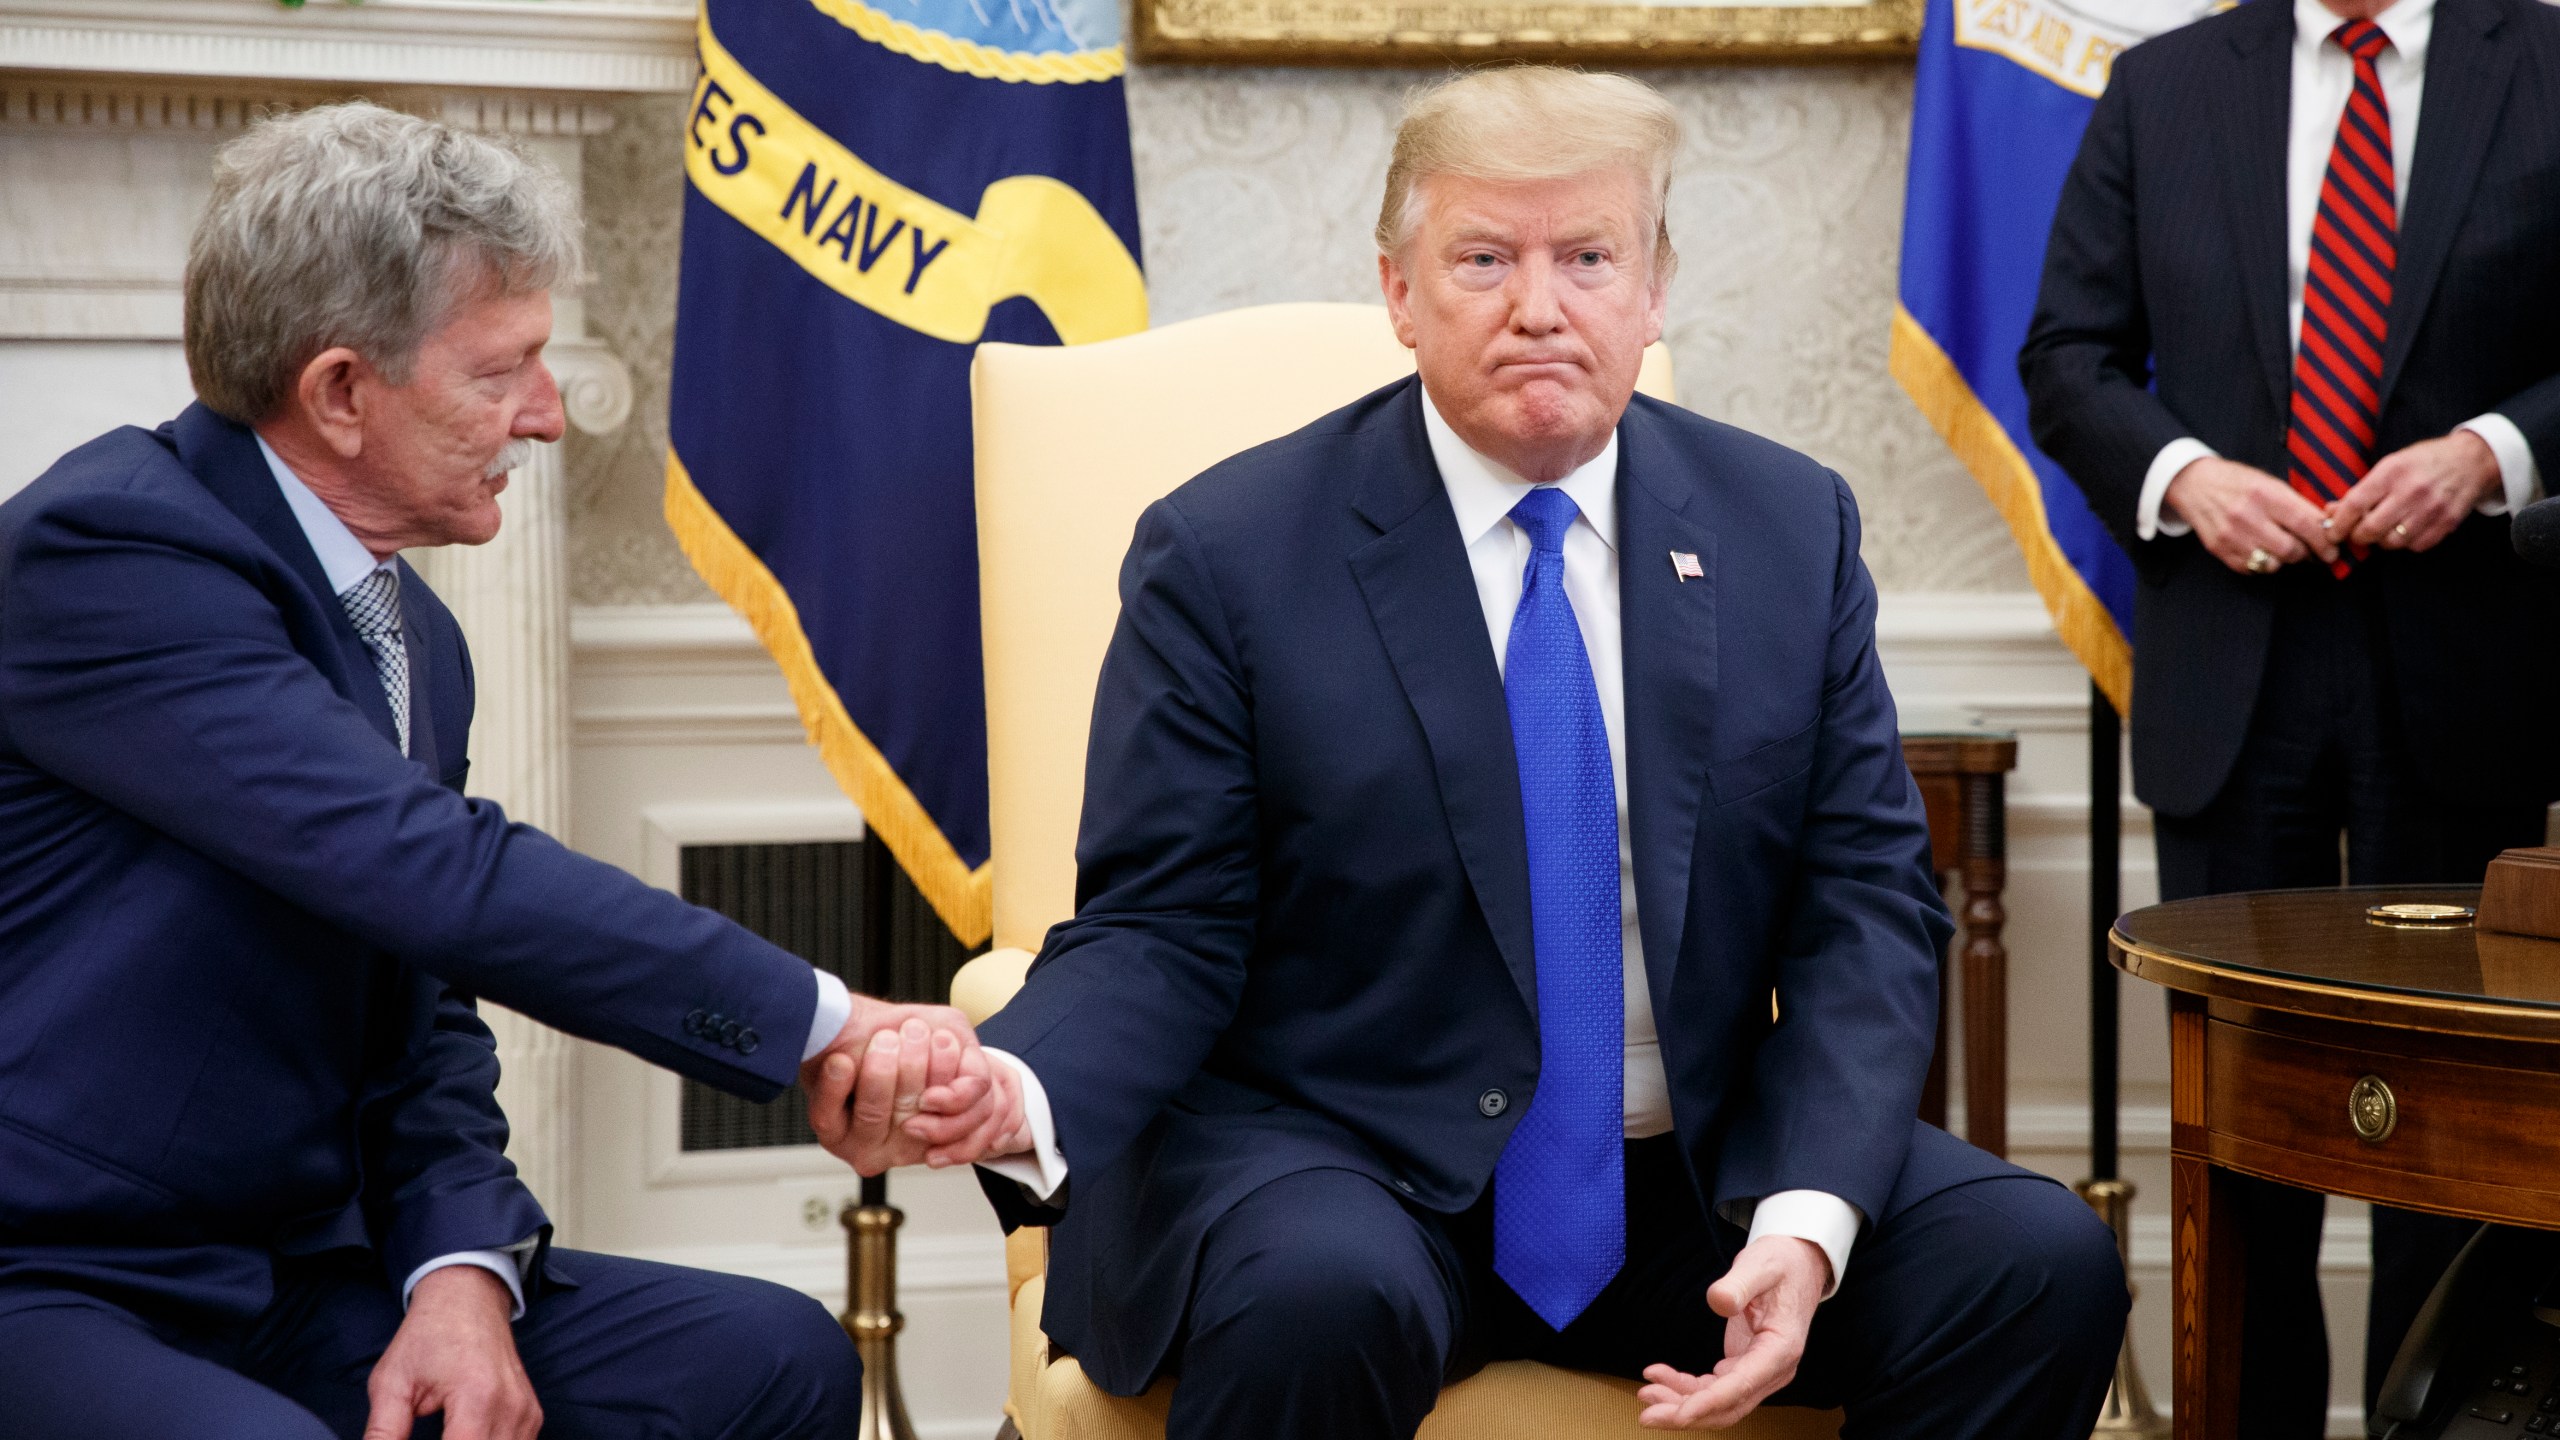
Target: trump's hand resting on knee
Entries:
(1767, 1299)
(907, 1085)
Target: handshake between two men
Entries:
(910, 1085)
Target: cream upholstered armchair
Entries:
(1072, 444)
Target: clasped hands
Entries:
(907, 1085)
(901, 1085)
(2410, 500)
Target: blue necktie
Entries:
(1559, 1196)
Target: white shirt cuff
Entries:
(1824, 1219)
(2522, 481)
(507, 1265)
(1041, 1169)
(835, 1006)
(2150, 521)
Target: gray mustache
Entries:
(518, 453)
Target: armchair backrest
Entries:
(1072, 443)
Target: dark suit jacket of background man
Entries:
(1302, 932)
(240, 933)
(2189, 141)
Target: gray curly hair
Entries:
(358, 226)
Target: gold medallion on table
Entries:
(2420, 917)
(2372, 1110)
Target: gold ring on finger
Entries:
(2400, 532)
(2261, 563)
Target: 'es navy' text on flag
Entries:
(869, 195)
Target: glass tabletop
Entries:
(2324, 937)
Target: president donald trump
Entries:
(1468, 770)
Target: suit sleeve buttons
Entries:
(719, 1029)
(1492, 1103)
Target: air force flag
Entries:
(872, 192)
(2004, 89)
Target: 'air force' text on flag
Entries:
(2004, 90)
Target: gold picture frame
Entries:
(1441, 32)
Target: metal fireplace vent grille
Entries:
(810, 900)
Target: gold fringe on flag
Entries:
(963, 897)
(1941, 392)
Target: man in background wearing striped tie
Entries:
(2299, 342)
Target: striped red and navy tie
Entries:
(2346, 294)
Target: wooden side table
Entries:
(2307, 1044)
(1963, 778)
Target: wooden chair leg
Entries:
(1933, 1090)
(1986, 967)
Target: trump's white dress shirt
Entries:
(1482, 494)
(2323, 77)
(346, 562)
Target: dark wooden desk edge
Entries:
(1964, 754)
(2396, 1010)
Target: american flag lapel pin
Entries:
(1685, 565)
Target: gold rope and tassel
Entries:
(961, 895)
(1957, 414)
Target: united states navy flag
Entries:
(2004, 89)
(873, 192)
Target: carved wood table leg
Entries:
(1986, 966)
(2209, 1285)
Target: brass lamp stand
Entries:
(2127, 1411)
(871, 1225)
(871, 1308)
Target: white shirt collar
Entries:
(2408, 23)
(343, 557)
(1483, 492)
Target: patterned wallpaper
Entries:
(1261, 185)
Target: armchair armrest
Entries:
(986, 983)
(978, 991)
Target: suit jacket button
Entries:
(697, 1022)
(1492, 1103)
(748, 1040)
(730, 1031)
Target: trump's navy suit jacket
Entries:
(1302, 932)
(240, 933)
(2162, 314)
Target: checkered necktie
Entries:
(373, 605)
(1559, 1189)
(2346, 294)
